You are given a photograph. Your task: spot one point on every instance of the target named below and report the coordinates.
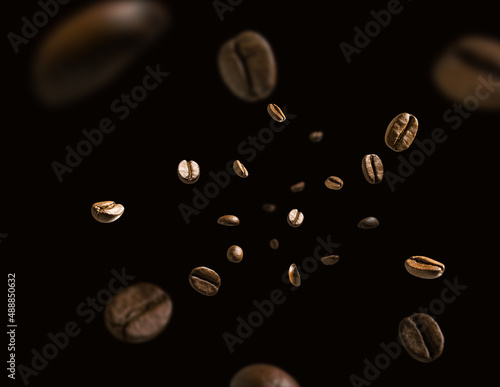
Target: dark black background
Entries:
(339, 316)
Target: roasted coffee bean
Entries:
(334, 182)
(274, 243)
(205, 281)
(295, 218)
(228, 220)
(316, 136)
(188, 171)
(138, 313)
(373, 169)
(468, 72)
(423, 267)
(330, 260)
(240, 169)
(275, 112)
(401, 132)
(294, 275)
(269, 207)
(262, 375)
(91, 48)
(235, 254)
(298, 187)
(421, 336)
(369, 222)
(247, 66)
(107, 211)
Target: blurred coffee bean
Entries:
(262, 375)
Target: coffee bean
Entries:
(373, 169)
(316, 136)
(274, 243)
(294, 275)
(262, 375)
(91, 48)
(240, 169)
(330, 260)
(205, 281)
(138, 313)
(469, 70)
(107, 211)
(421, 336)
(334, 182)
(295, 218)
(269, 207)
(235, 254)
(298, 187)
(423, 267)
(228, 220)
(275, 112)
(188, 171)
(247, 66)
(369, 222)
(401, 132)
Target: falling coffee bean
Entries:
(330, 260)
(334, 182)
(421, 336)
(294, 275)
(138, 313)
(274, 243)
(204, 280)
(316, 136)
(299, 187)
(262, 375)
(275, 112)
(372, 168)
(401, 132)
(424, 267)
(234, 254)
(295, 218)
(188, 171)
(369, 222)
(107, 211)
(269, 207)
(90, 49)
(240, 169)
(247, 66)
(228, 220)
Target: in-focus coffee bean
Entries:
(234, 254)
(294, 275)
(269, 207)
(369, 222)
(401, 132)
(424, 267)
(240, 169)
(421, 336)
(298, 187)
(330, 260)
(262, 375)
(334, 182)
(372, 168)
(275, 112)
(274, 243)
(138, 313)
(228, 220)
(107, 211)
(205, 281)
(295, 218)
(91, 48)
(188, 171)
(247, 66)
(316, 136)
